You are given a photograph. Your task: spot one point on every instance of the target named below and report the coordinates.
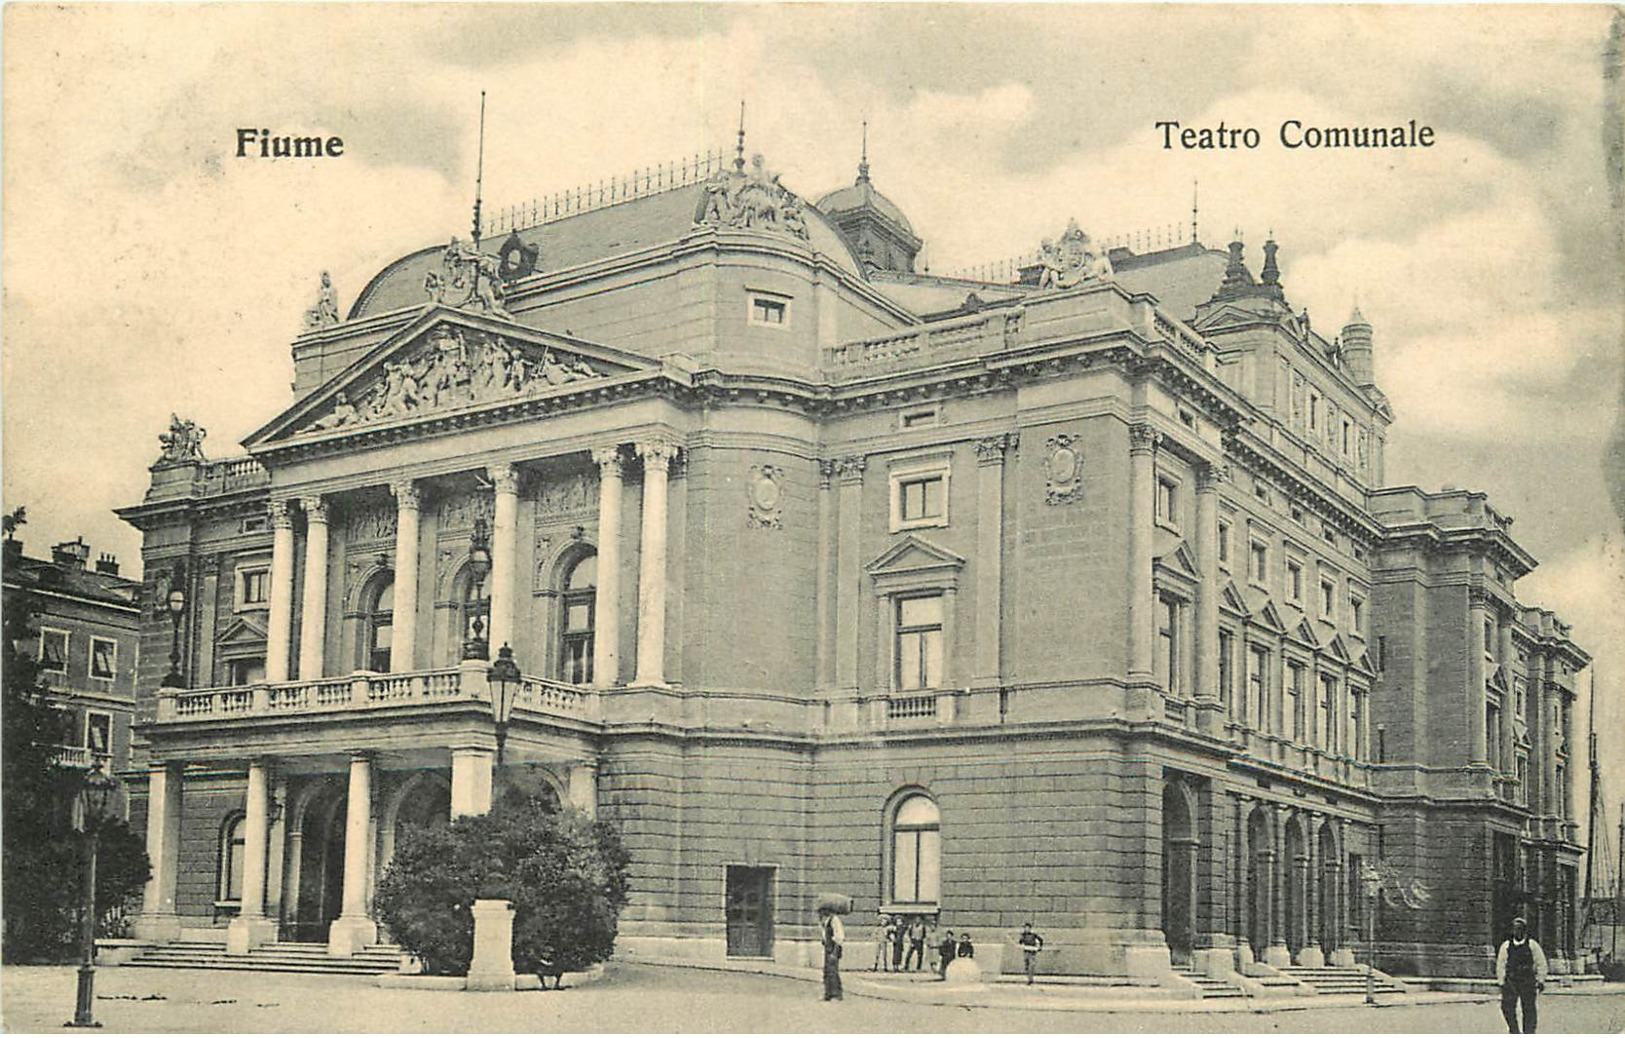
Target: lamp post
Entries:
(176, 601)
(1373, 884)
(479, 567)
(503, 678)
(90, 810)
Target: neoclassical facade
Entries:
(1076, 597)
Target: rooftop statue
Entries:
(1073, 262)
(468, 279)
(325, 313)
(754, 200)
(183, 442)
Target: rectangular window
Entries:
(1327, 533)
(1489, 639)
(255, 524)
(1169, 663)
(920, 499)
(1294, 581)
(99, 733)
(1522, 792)
(103, 658)
(1295, 690)
(53, 650)
(1357, 614)
(917, 866)
(1492, 733)
(1348, 437)
(919, 643)
(1328, 599)
(768, 311)
(1328, 714)
(253, 588)
(1362, 750)
(1297, 514)
(246, 671)
(1261, 563)
(1258, 662)
(919, 492)
(1314, 411)
(1167, 502)
(1224, 544)
(919, 419)
(1227, 645)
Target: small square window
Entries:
(920, 499)
(253, 587)
(769, 311)
(919, 418)
(103, 658)
(1297, 514)
(53, 651)
(1327, 533)
(255, 523)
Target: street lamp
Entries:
(90, 810)
(177, 606)
(503, 678)
(479, 566)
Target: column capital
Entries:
(1211, 476)
(656, 453)
(1142, 439)
(281, 512)
(851, 468)
(505, 476)
(408, 496)
(1479, 598)
(990, 450)
(608, 459)
(315, 508)
(826, 472)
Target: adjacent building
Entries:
(1076, 596)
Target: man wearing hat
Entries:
(1520, 970)
(834, 936)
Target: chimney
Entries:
(75, 553)
(107, 564)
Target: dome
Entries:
(862, 194)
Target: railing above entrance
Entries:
(366, 691)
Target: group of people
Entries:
(892, 934)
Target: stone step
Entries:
(1210, 987)
(279, 957)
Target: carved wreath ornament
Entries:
(1063, 471)
(766, 497)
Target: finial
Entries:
(479, 173)
(863, 161)
(739, 150)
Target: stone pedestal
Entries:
(963, 972)
(491, 968)
(157, 926)
(347, 935)
(1312, 956)
(1343, 957)
(1214, 962)
(249, 932)
(1277, 955)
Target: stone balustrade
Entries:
(364, 691)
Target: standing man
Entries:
(899, 934)
(834, 937)
(1520, 969)
(1031, 944)
(882, 942)
(916, 944)
(945, 954)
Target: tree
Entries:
(42, 869)
(565, 874)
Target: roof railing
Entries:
(640, 183)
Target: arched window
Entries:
(230, 885)
(378, 623)
(916, 852)
(577, 621)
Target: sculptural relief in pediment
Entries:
(1073, 261)
(454, 367)
(753, 200)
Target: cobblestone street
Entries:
(635, 998)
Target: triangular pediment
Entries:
(241, 631)
(1230, 600)
(1304, 634)
(1269, 618)
(913, 555)
(1498, 678)
(1362, 663)
(448, 361)
(1180, 559)
(1339, 650)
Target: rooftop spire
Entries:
(479, 172)
(863, 162)
(739, 150)
(1194, 186)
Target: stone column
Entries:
(471, 773)
(1143, 442)
(583, 791)
(279, 632)
(990, 454)
(1242, 864)
(1276, 954)
(606, 646)
(504, 554)
(1509, 704)
(825, 668)
(158, 920)
(1477, 612)
(353, 930)
(408, 503)
(251, 928)
(313, 615)
(848, 572)
(657, 456)
(1209, 706)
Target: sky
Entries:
(148, 270)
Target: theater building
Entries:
(1076, 596)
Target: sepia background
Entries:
(148, 270)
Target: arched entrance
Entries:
(320, 879)
(1259, 858)
(1331, 915)
(1297, 881)
(1178, 871)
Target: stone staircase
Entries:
(278, 957)
(1342, 980)
(1210, 987)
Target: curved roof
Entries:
(862, 193)
(587, 237)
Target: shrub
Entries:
(565, 874)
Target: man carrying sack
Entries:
(830, 909)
